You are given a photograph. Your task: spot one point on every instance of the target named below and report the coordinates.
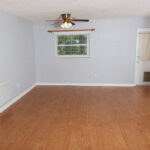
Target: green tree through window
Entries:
(72, 45)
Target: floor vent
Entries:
(5, 93)
(147, 76)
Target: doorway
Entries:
(142, 66)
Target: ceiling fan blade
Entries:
(73, 23)
(84, 20)
(53, 20)
(56, 23)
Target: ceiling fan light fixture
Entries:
(68, 21)
(66, 24)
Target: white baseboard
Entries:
(4, 107)
(143, 84)
(86, 84)
(9, 103)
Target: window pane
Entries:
(60, 39)
(72, 39)
(83, 50)
(64, 39)
(67, 50)
(75, 39)
(68, 39)
(72, 50)
(75, 50)
(60, 50)
(83, 39)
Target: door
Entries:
(142, 72)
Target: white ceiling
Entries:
(39, 10)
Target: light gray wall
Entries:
(17, 60)
(112, 54)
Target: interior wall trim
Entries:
(86, 84)
(9, 103)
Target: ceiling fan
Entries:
(68, 21)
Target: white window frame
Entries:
(73, 33)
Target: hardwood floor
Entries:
(78, 118)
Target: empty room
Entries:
(74, 75)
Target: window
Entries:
(144, 46)
(72, 44)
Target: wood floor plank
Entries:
(78, 118)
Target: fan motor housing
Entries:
(65, 16)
